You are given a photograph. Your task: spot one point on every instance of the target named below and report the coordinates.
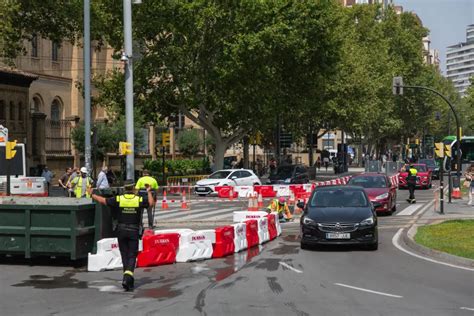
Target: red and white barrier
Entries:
(272, 230)
(107, 257)
(193, 245)
(224, 242)
(252, 232)
(240, 237)
(242, 216)
(263, 235)
(158, 249)
(266, 191)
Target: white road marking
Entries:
(368, 291)
(396, 243)
(409, 210)
(204, 214)
(467, 308)
(290, 267)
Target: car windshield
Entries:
(219, 175)
(420, 168)
(369, 182)
(285, 171)
(339, 198)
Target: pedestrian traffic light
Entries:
(439, 150)
(125, 149)
(447, 151)
(165, 139)
(397, 86)
(10, 151)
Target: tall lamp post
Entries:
(398, 87)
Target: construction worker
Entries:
(129, 230)
(80, 184)
(281, 207)
(142, 191)
(411, 183)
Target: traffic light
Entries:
(397, 86)
(286, 139)
(439, 150)
(10, 151)
(255, 139)
(165, 139)
(125, 149)
(447, 151)
(417, 141)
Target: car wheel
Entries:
(373, 246)
(304, 246)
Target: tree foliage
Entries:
(189, 142)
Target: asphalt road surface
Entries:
(276, 279)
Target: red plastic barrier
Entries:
(265, 190)
(272, 230)
(252, 232)
(224, 191)
(224, 245)
(297, 188)
(158, 249)
(302, 195)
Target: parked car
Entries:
(339, 215)
(432, 165)
(379, 189)
(289, 174)
(423, 177)
(226, 177)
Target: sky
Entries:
(446, 19)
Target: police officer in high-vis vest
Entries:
(411, 183)
(130, 207)
(141, 187)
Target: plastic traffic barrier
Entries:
(224, 191)
(252, 232)
(277, 224)
(158, 250)
(272, 230)
(242, 216)
(244, 191)
(107, 257)
(283, 190)
(265, 190)
(240, 237)
(193, 245)
(224, 244)
(263, 235)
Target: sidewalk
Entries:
(458, 209)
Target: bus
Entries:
(467, 149)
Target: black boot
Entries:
(128, 282)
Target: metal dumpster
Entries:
(49, 226)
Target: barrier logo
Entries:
(162, 241)
(113, 246)
(198, 238)
(240, 230)
(252, 216)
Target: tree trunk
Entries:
(246, 152)
(221, 147)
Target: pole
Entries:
(163, 162)
(441, 187)
(311, 145)
(277, 149)
(127, 30)
(458, 128)
(450, 181)
(87, 85)
(8, 171)
(253, 158)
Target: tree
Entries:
(189, 142)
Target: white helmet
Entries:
(84, 170)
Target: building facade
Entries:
(460, 62)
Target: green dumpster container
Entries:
(48, 226)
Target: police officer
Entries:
(129, 206)
(141, 186)
(411, 183)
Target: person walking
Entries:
(281, 208)
(411, 183)
(469, 183)
(48, 175)
(64, 180)
(102, 181)
(141, 186)
(80, 184)
(129, 230)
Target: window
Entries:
(12, 111)
(2, 110)
(55, 111)
(245, 174)
(34, 46)
(54, 51)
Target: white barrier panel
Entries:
(277, 224)
(308, 187)
(282, 190)
(240, 236)
(193, 245)
(242, 216)
(244, 191)
(107, 257)
(263, 235)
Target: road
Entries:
(276, 279)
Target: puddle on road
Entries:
(286, 250)
(163, 292)
(291, 238)
(64, 281)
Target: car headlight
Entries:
(381, 196)
(308, 221)
(368, 222)
(215, 183)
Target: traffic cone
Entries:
(260, 201)
(456, 194)
(231, 193)
(291, 200)
(184, 203)
(164, 202)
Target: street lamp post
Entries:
(398, 87)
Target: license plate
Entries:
(201, 189)
(338, 236)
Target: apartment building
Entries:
(460, 62)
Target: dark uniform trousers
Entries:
(128, 245)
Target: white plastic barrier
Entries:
(244, 191)
(242, 216)
(240, 236)
(263, 235)
(107, 257)
(277, 224)
(193, 245)
(282, 190)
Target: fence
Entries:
(58, 137)
(389, 167)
